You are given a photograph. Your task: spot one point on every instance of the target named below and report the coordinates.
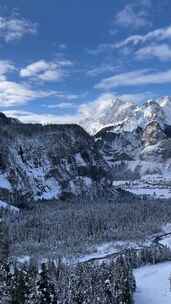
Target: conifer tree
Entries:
(5, 283)
(4, 241)
(45, 287)
(19, 286)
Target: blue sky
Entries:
(59, 58)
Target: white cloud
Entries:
(136, 97)
(73, 96)
(51, 75)
(45, 71)
(35, 68)
(14, 28)
(96, 106)
(6, 67)
(135, 78)
(101, 48)
(64, 62)
(132, 17)
(13, 93)
(103, 68)
(62, 46)
(160, 51)
(61, 105)
(31, 117)
(156, 35)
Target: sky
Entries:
(60, 58)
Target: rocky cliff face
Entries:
(139, 152)
(153, 133)
(47, 162)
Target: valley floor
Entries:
(154, 186)
(153, 285)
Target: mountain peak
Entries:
(127, 114)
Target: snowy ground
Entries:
(166, 241)
(153, 286)
(155, 186)
(6, 205)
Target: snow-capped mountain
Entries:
(112, 112)
(132, 155)
(127, 115)
(138, 142)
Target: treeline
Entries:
(72, 227)
(153, 254)
(55, 283)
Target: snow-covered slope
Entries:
(153, 284)
(165, 104)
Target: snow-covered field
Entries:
(153, 285)
(154, 186)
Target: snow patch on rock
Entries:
(4, 183)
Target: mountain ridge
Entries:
(48, 162)
(127, 115)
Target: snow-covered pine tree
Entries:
(124, 284)
(5, 283)
(45, 288)
(20, 286)
(4, 241)
(31, 284)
